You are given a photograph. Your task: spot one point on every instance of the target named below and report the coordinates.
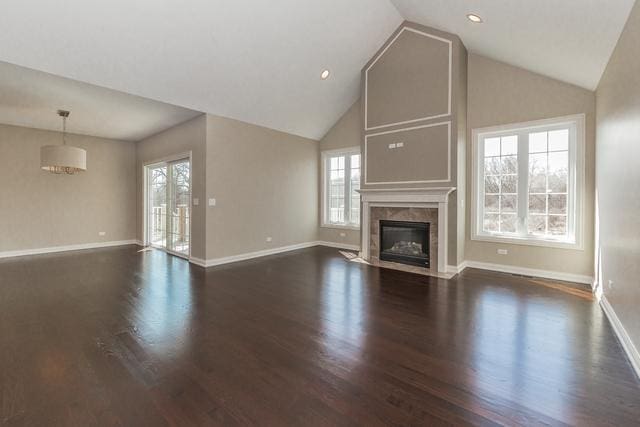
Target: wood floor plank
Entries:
(120, 337)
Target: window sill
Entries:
(341, 226)
(528, 241)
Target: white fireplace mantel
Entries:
(431, 197)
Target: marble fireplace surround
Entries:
(430, 198)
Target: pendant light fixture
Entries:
(63, 158)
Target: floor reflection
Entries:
(164, 304)
(516, 336)
(343, 311)
(143, 338)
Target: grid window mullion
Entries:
(341, 201)
(347, 189)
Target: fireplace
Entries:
(405, 242)
(423, 205)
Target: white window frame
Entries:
(325, 156)
(187, 155)
(575, 190)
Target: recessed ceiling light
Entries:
(325, 74)
(474, 18)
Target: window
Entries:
(341, 178)
(528, 182)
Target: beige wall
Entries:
(265, 184)
(40, 210)
(188, 136)
(410, 80)
(424, 156)
(460, 103)
(618, 177)
(346, 133)
(500, 94)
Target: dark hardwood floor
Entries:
(121, 337)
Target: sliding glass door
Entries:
(157, 205)
(169, 206)
(179, 201)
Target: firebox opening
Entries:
(405, 242)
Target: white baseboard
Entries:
(53, 249)
(455, 269)
(339, 245)
(250, 255)
(547, 274)
(621, 333)
(265, 252)
(198, 261)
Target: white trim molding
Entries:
(432, 197)
(266, 252)
(198, 261)
(249, 255)
(382, 52)
(79, 247)
(366, 142)
(534, 272)
(456, 269)
(624, 338)
(338, 245)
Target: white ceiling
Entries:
(569, 40)
(257, 61)
(31, 98)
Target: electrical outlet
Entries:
(269, 239)
(343, 234)
(392, 146)
(502, 251)
(610, 284)
(196, 201)
(400, 144)
(102, 233)
(212, 202)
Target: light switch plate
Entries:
(196, 202)
(502, 251)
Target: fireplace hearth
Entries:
(405, 242)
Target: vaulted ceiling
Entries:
(569, 40)
(257, 61)
(31, 98)
(260, 61)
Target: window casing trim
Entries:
(324, 164)
(575, 207)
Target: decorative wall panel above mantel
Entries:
(420, 154)
(409, 80)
